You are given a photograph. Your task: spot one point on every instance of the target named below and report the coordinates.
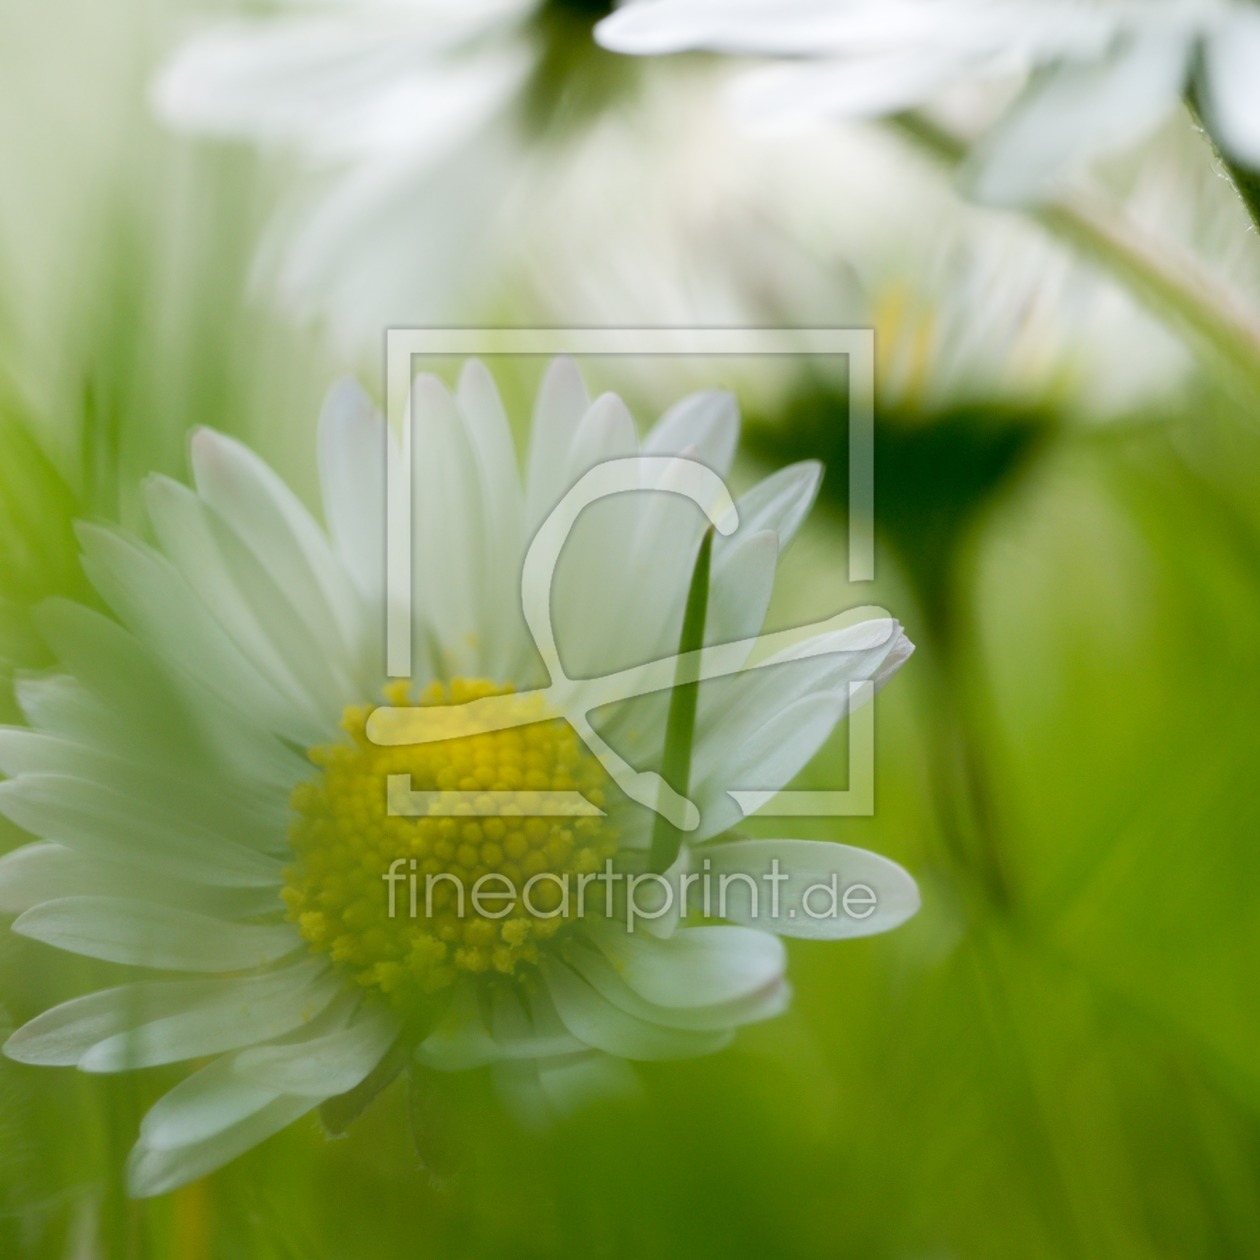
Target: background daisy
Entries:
(1106, 74)
(420, 132)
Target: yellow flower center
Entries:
(468, 880)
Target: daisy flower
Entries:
(418, 130)
(1104, 75)
(212, 801)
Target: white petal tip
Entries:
(206, 448)
(637, 33)
(24, 1047)
(150, 1173)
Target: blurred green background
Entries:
(1059, 1057)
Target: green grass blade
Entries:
(680, 728)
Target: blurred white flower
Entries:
(403, 115)
(846, 226)
(657, 211)
(186, 830)
(1105, 73)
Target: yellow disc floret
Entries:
(417, 862)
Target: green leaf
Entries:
(680, 728)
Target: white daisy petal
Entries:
(760, 1003)
(503, 507)
(246, 816)
(766, 759)
(529, 1027)
(323, 1066)
(741, 583)
(550, 1038)
(256, 78)
(129, 698)
(573, 1083)
(789, 27)
(595, 1021)
(353, 445)
(153, 1171)
(1072, 112)
(59, 706)
(845, 88)
(152, 599)
(561, 404)
(698, 966)
(766, 724)
(105, 660)
(45, 871)
(818, 663)
(198, 543)
(267, 515)
(450, 526)
(781, 502)
(128, 930)
(41, 871)
(704, 425)
(336, 85)
(606, 431)
(596, 611)
(206, 1103)
(64, 1034)
(651, 583)
(100, 821)
(491, 437)
(810, 903)
(226, 1015)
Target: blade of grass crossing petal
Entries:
(680, 727)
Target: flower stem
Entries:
(1164, 277)
(680, 727)
(1247, 184)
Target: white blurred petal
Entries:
(1231, 86)
(1074, 111)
